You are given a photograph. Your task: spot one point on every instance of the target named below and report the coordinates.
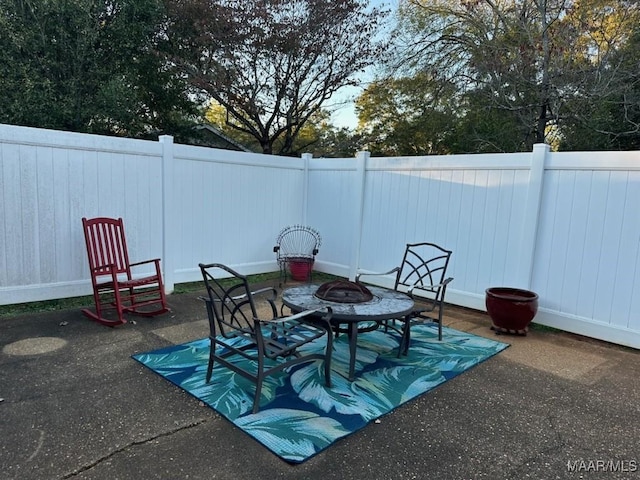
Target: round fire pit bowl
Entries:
(511, 309)
(344, 291)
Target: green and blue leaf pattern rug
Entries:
(299, 416)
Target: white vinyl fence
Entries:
(565, 225)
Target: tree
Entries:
(535, 63)
(322, 139)
(605, 113)
(407, 116)
(88, 66)
(318, 136)
(272, 64)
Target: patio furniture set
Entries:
(255, 344)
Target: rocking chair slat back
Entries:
(106, 245)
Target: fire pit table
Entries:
(354, 310)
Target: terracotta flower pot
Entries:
(511, 309)
(301, 269)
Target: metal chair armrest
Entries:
(300, 316)
(274, 292)
(428, 287)
(393, 270)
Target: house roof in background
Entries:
(214, 137)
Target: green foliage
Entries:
(485, 129)
(609, 119)
(87, 66)
(322, 139)
(318, 136)
(523, 72)
(408, 116)
(337, 142)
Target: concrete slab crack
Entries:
(98, 461)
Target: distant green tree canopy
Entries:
(88, 66)
(523, 72)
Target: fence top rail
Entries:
(627, 160)
(11, 134)
(513, 161)
(216, 155)
(605, 161)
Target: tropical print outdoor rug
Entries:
(299, 416)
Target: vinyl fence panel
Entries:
(565, 225)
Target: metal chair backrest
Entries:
(298, 241)
(230, 301)
(106, 246)
(423, 267)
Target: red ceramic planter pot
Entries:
(300, 269)
(511, 308)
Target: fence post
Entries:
(306, 158)
(532, 214)
(168, 230)
(361, 170)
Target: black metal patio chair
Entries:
(271, 343)
(421, 275)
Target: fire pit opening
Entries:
(344, 291)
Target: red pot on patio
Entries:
(511, 309)
(301, 269)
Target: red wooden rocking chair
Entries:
(114, 287)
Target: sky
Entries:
(345, 116)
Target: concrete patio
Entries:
(75, 405)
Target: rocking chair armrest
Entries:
(144, 262)
(393, 270)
